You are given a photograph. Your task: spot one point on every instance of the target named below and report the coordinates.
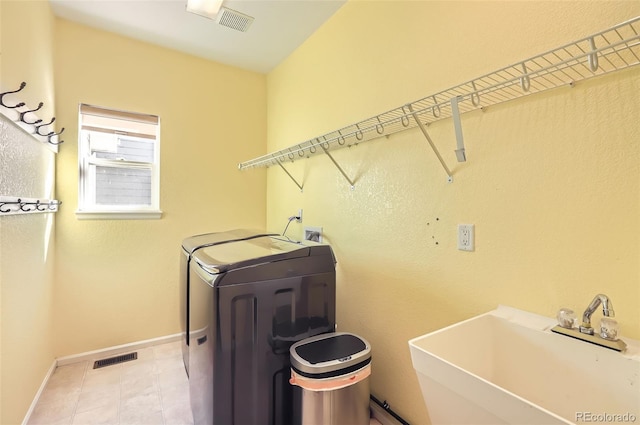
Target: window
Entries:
(119, 163)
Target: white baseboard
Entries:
(52, 369)
(96, 354)
(118, 349)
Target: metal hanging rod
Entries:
(33, 124)
(10, 205)
(611, 50)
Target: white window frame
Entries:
(87, 207)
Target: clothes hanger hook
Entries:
(22, 114)
(2, 95)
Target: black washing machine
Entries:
(247, 297)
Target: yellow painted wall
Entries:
(117, 280)
(26, 36)
(552, 182)
(26, 247)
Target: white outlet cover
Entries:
(466, 237)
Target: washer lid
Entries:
(324, 355)
(192, 243)
(237, 254)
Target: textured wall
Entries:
(26, 241)
(26, 271)
(552, 182)
(117, 279)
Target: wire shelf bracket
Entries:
(433, 145)
(613, 49)
(300, 186)
(351, 182)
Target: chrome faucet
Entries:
(607, 311)
(608, 335)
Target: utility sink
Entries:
(506, 366)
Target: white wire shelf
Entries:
(611, 50)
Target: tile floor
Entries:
(152, 390)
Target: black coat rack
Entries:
(27, 120)
(28, 117)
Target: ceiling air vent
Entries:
(234, 19)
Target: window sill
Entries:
(118, 215)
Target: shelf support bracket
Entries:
(457, 125)
(351, 183)
(433, 146)
(290, 176)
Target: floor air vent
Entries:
(115, 360)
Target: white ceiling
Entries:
(280, 26)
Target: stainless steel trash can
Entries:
(330, 374)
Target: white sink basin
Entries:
(506, 366)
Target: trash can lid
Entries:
(330, 355)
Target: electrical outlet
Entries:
(299, 219)
(312, 233)
(466, 237)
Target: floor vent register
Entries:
(115, 360)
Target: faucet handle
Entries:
(566, 318)
(609, 328)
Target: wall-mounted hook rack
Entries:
(11, 205)
(607, 51)
(12, 112)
